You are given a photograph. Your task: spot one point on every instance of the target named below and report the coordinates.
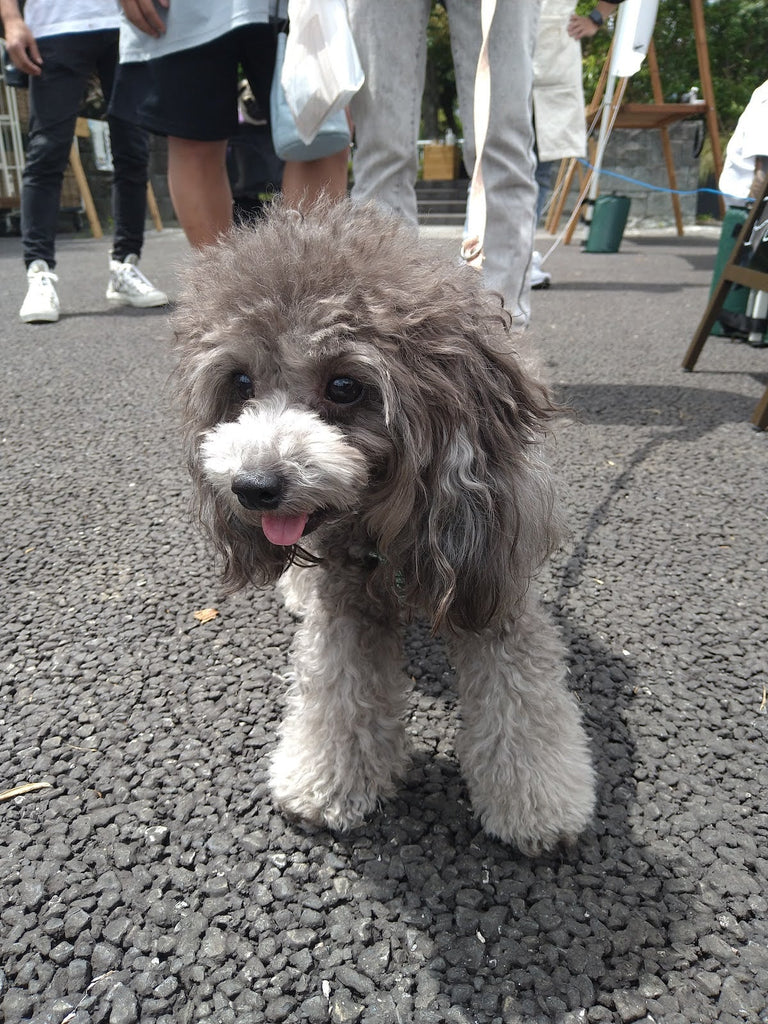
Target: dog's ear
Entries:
(466, 516)
(201, 386)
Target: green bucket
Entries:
(609, 218)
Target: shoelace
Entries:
(45, 277)
(133, 277)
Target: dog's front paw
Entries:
(539, 820)
(337, 795)
(536, 803)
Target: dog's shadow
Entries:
(482, 929)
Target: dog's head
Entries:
(333, 371)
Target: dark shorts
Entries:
(193, 94)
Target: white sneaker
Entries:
(41, 304)
(128, 286)
(539, 278)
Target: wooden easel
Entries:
(734, 273)
(83, 132)
(658, 115)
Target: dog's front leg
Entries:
(342, 742)
(522, 747)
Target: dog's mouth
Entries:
(287, 530)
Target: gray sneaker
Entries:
(41, 304)
(129, 287)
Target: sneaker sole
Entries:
(122, 300)
(39, 318)
(541, 286)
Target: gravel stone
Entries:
(31, 893)
(374, 960)
(78, 976)
(467, 953)
(734, 999)
(344, 1010)
(315, 1010)
(56, 1012)
(62, 953)
(715, 946)
(125, 1007)
(214, 945)
(299, 938)
(630, 1006)
(75, 922)
(358, 983)
(280, 1009)
(17, 1005)
(709, 983)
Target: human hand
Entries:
(143, 14)
(581, 27)
(21, 46)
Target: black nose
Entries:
(259, 491)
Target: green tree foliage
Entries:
(737, 40)
(439, 108)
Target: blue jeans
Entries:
(545, 174)
(391, 39)
(54, 100)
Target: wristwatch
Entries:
(596, 17)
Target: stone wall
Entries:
(638, 154)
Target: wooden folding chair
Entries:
(735, 273)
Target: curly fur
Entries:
(427, 494)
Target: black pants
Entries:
(54, 100)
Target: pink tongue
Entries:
(283, 530)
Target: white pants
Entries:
(391, 39)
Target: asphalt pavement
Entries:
(151, 879)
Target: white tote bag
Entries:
(321, 69)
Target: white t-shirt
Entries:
(750, 139)
(56, 17)
(191, 23)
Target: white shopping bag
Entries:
(321, 70)
(102, 148)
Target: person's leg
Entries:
(508, 161)
(130, 157)
(54, 98)
(545, 173)
(199, 187)
(390, 36)
(305, 180)
(192, 99)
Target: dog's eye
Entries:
(344, 390)
(243, 386)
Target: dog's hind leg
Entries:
(522, 747)
(342, 742)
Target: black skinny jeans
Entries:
(54, 100)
